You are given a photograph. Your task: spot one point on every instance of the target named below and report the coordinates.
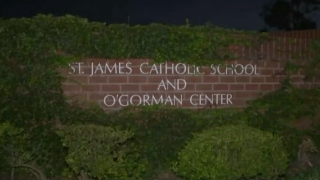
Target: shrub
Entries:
(273, 112)
(96, 151)
(162, 131)
(17, 152)
(232, 152)
(85, 112)
(312, 174)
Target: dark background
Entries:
(238, 14)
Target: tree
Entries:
(290, 14)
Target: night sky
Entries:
(238, 14)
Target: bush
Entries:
(232, 152)
(162, 131)
(17, 152)
(274, 112)
(313, 174)
(96, 151)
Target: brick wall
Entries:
(312, 34)
(117, 83)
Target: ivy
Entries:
(77, 36)
(32, 49)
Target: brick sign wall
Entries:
(119, 83)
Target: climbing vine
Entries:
(77, 36)
(33, 49)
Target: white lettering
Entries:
(121, 101)
(132, 100)
(141, 71)
(229, 69)
(166, 68)
(236, 67)
(175, 85)
(199, 70)
(173, 100)
(128, 66)
(73, 69)
(105, 100)
(192, 101)
(184, 68)
(184, 82)
(126, 100)
(154, 68)
(219, 69)
(214, 69)
(98, 68)
(169, 68)
(255, 70)
(162, 84)
(203, 99)
(116, 68)
(229, 97)
(223, 98)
